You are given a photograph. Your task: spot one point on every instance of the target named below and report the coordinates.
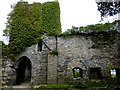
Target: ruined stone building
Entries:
(68, 59)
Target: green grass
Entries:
(79, 85)
(50, 86)
(59, 86)
(113, 76)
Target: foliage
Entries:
(77, 73)
(51, 18)
(108, 8)
(23, 27)
(107, 27)
(5, 50)
(28, 22)
(50, 86)
(1, 43)
(87, 85)
(80, 85)
(55, 51)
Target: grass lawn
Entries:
(79, 85)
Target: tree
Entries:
(108, 8)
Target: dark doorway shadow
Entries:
(23, 70)
(95, 73)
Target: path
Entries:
(23, 85)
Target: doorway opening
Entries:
(95, 73)
(23, 70)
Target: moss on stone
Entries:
(94, 29)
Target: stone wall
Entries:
(83, 51)
(8, 73)
(39, 64)
(79, 51)
(52, 69)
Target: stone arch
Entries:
(23, 70)
(77, 63)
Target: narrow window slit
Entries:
(40, 44)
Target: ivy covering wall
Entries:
(51, 18)
(28, 22)
(97, 28)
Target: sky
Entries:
(73, 13)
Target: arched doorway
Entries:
(23, 70)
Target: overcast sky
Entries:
(73, 13)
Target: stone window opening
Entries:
(77, 72)
(40, 44)
(95, 73)
(115, 73)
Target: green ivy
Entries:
(55, 52)
(51, 18)
(107, 27)
(28, 22)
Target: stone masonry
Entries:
(83, 51)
